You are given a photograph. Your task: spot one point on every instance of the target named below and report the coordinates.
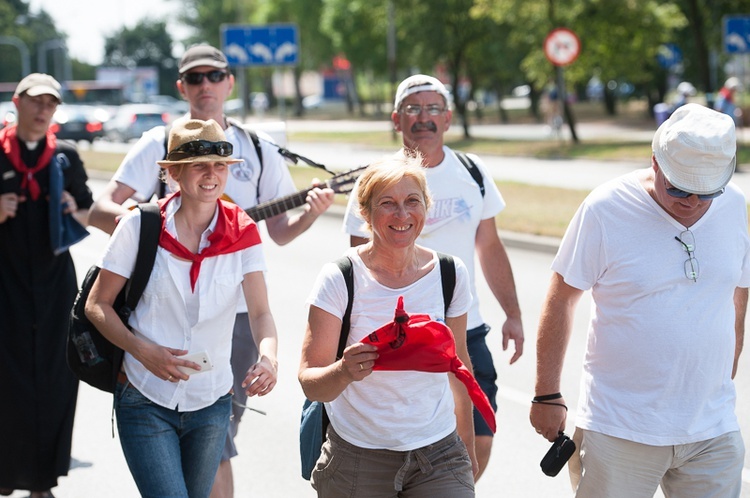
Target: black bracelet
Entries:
(537, 402)
(548, 397)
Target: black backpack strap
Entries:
(256, 143)
(448, 278)
(472, 169)
(147, 246)
(345, 265)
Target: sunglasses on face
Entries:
(681, 194)
(214, 76)
(200, 148)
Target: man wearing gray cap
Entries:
(205, 82)
(461, 222)
(41, 179)
(666, 254)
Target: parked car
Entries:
(131, 120)
(79, 122)
(7, 114)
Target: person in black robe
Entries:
(37, 289)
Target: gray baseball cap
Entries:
(202, 55)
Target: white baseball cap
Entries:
(419, 83)
(696, 149)
(39, 84)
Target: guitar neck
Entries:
(278, 206)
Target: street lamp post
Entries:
(44, 47)
(22, 48)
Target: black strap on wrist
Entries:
(548, 397)
(548, 403)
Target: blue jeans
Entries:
(484, 372)
(171, 454)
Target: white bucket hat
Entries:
(419, 83)
(696, 149)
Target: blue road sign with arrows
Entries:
(737, 34)
(269, 45)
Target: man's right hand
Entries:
(549, 419)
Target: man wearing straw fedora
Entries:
(666, 254)
(205, 82)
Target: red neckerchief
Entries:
(12, 149)
(234, 231)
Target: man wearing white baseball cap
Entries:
(666, 254)
(462, 223)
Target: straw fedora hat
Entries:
(197, 141)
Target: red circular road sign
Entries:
(561, 46)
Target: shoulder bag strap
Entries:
(448, 277)
(345, 265)
(147, 246)
(472, 168)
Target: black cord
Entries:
(548, 397)
(537, 402)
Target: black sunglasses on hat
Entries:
(197, 148)
(196, 78)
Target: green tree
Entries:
(32, 30)
(148, 44)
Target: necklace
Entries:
(386, 276)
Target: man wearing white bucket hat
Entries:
(666, 254)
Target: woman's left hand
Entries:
(261, 378)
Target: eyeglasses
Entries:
(692, 270)
(197, 148)
(415, 109)
(681, 194)
(214, 76)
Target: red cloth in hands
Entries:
(416, 342)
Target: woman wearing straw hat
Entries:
(172, 424)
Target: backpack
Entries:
(251, 135)
(92, 358)
(472, 168)
(314, 421)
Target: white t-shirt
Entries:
(660, 346)
(395, 410)
(140, 171)
(453, 220)
(171, 314)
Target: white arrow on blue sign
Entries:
(737, 34)
(269, 45)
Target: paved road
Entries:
(268, 464)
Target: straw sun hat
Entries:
(197, 141)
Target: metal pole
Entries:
(23, 49)
(391, 42)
